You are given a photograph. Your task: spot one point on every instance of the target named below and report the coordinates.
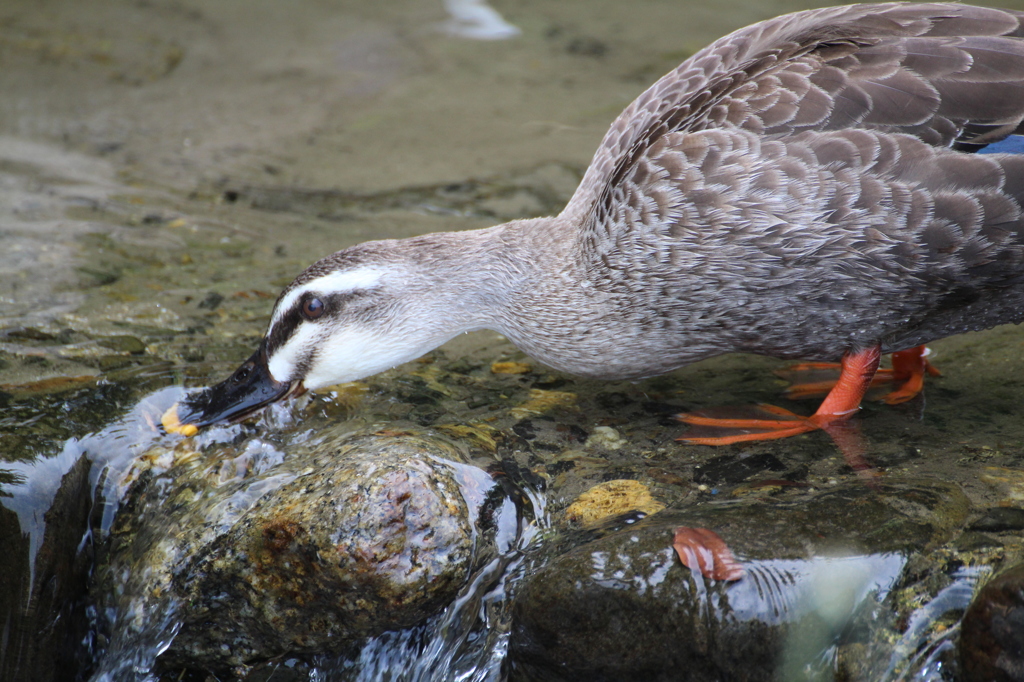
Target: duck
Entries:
(830, 186)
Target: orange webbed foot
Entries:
(728, 425)
(768, 422)
(909, 367)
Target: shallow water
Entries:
(165, 167)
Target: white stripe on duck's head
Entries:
(355, 313)
(319, 332)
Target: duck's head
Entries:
(355, 313)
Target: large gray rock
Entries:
(299, 554)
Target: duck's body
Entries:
(803, 188)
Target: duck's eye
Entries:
(312, 308)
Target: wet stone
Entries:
(992, 631)
(123, 344)
(999, 519)
(971, 541)
(28, 334)
(623, 607)
(42, 585)
(337, 540)
(731, 469)
(212, 301)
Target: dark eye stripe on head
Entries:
(306, 310)
(283, 330)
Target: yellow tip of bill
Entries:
(171, 424)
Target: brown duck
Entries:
(806, 187)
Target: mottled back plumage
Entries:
(806, 186)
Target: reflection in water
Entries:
(823, 596)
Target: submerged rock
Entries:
(992, 631)
(303, 553)
(623, 607)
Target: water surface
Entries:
(166, 167)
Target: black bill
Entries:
(247, 390)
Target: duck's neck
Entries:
(525, 279)
(479, 279)
(528, 283)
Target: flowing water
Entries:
(166, 166)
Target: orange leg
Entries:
(858, 370)
(907, 373)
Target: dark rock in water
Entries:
(992, 631)
(730, 469)
(43, 579)
(307, 552)
(123, 344)
(623, 607)
(1000, 519)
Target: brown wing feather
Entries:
(824, 147)
(810, 244)
(948, 74)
